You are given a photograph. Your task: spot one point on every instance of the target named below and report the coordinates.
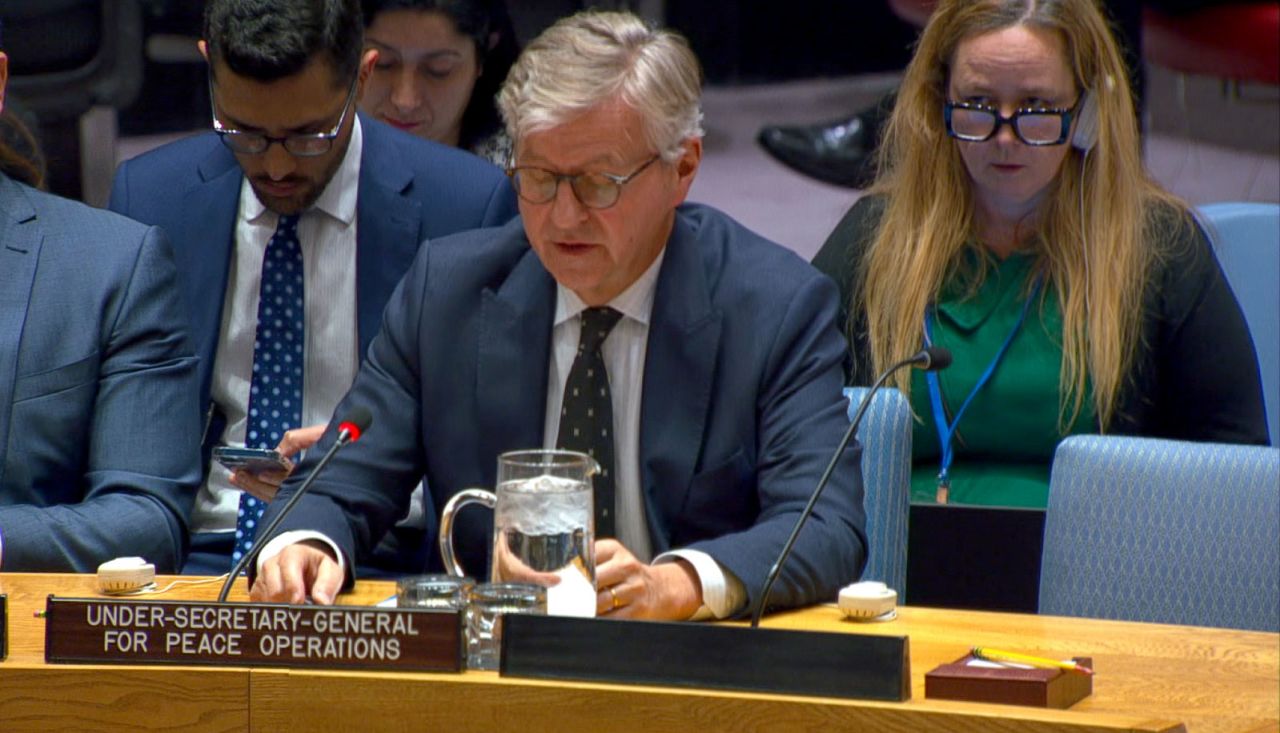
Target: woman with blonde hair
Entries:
(1012, 221)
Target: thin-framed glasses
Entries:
(975, 123)
(306, 145)
(593, 190)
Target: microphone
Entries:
(930, 359)
(349, 431)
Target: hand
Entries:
(509, 568)
(306, 569)
(265, 484)
(262, 485)
(628, 588)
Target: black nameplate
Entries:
(139, 631)
(4, 627)
(707, 655)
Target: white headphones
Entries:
(1085, 135)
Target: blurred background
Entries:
(104, 80)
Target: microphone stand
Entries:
(349, 433)
(931, 358)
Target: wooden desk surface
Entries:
(1149, 678)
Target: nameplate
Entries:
(140, 631)
(859, 666)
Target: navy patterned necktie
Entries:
(275, 390)
(586, 414)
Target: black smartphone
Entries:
(253, 460)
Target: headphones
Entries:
(1085, 135)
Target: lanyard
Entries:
(946, 431)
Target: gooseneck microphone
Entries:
(930, 359)
(349, 431)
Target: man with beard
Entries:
(292, 222)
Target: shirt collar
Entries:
(636, 302)
(338, 199)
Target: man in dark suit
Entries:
(720, 404)
(99, 427)
(292, 186)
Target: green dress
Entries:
(1004, 443)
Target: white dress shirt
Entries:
(624, 353)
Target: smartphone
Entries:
(253, 460)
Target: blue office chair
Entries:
(1246, 238)
(1164, 531)
(886, 476)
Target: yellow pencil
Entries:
(996, 655)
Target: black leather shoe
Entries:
(841, 153)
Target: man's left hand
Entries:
(628, 588)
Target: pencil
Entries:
(996, 655)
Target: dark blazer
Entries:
(1195, 376)
(99, 426)
(741, 408)
(411, 190)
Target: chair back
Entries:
(1246, 239)
(69, 55)
(1164, 531)
(885, 436)
(73, 64)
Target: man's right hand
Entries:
(306, 569)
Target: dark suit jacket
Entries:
(741, 408)
(411, 190)
(99, 426)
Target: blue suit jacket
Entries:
(411, 190)
(741, 407)
(99, 426)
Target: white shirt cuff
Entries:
(281, 541)
(722, 592)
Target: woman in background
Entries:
(440, 64)
(1013, 222)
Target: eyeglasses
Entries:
(593, 190)
(306, 145)
(977, 123)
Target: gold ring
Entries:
(614, 596)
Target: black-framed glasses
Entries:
(975, 123)
(306, 145)
(593, 190)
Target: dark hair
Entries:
(478, 20)
(20, 155)
(268, 40)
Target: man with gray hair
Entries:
(699, 363)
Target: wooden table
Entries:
(1150, 678)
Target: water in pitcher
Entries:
(544, 527)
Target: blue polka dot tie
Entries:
(275, 391)
(586, 414)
